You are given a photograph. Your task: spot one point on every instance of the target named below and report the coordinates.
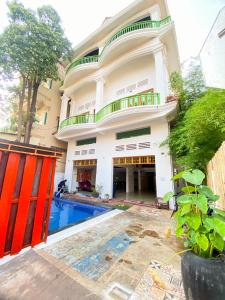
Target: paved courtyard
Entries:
(130, 256)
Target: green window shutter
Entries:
(86, 141)
(45, 118)
(133, 133)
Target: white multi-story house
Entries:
(212, 53)
(116, 107)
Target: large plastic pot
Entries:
(203, 279)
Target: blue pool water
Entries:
(65, 213)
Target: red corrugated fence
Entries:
(26, 187)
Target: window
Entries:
(133, 133)
(44, 118)
(86, 141)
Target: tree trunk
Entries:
(20, 110)
(30, 122)
(29, 94)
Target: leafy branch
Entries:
(198, 222)
(31, 47)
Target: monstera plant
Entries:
(201, 226)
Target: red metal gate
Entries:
(26, 186)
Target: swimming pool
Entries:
(65, 213)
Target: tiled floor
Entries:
(125, 257)
(138, 196)
(98, 262)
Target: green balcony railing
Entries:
(132, 101)
(80, 119)
(137, 26)
(165, 21)
(82, 60)
(124, 103)
(127, 29)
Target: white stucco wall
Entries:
(105, 151)
(69, 170)
(131, 78)
(59, 176)
(212, 55)
(133, 63)
(163, 162)
(83, 100)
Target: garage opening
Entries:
(134, 178)
(85, 175)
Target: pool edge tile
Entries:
(56, 237)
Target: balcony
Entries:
(77, 120)
(125, 30)
(81, 61)
(136, 109)
(125, 103)
(137, 26)
(150, 99)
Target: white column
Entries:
(139, 180)
(69, 169)
(104, 170)
(74, 184)
(104, 175)
(63, 110)
(160, 75)
(99, 93)
(163, 168)
(129, 180)
(100, 48)
(69, 173)
(155, 13)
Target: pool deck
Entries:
(129, 255)
(111, 202)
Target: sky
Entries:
(193, 18)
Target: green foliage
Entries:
(122, 206)
(199, 133)
(199, 129)
(197, 222)
(187, 89)
(33, 43)
(177, 84)
(31, 47)
(193, 84)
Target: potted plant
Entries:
(106, 197)
(99, 190)
(202, 228)
(95, 193)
